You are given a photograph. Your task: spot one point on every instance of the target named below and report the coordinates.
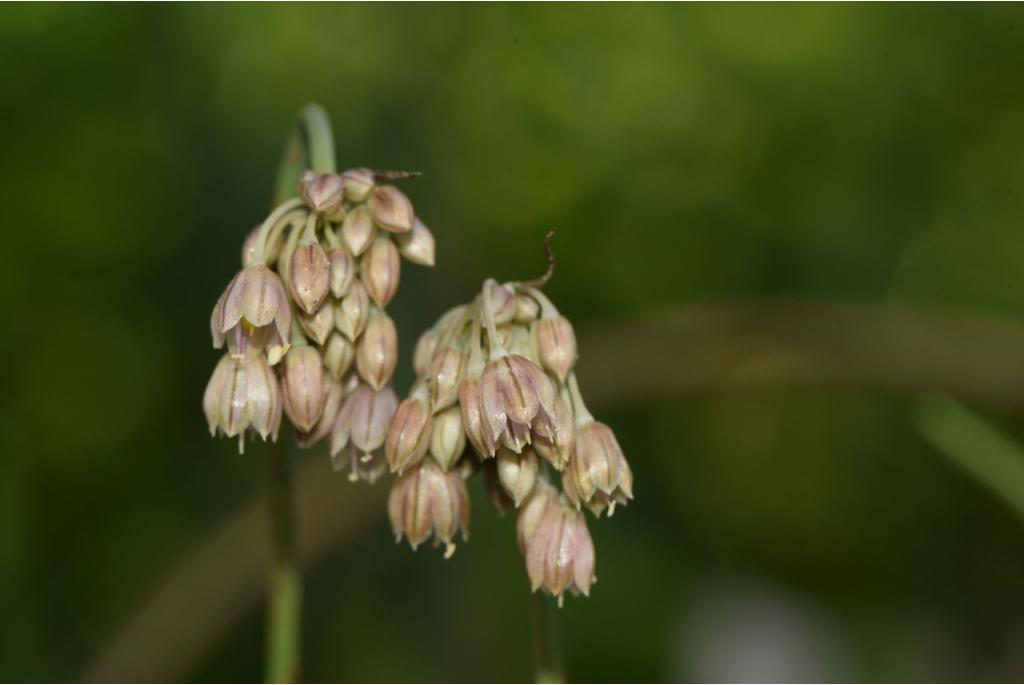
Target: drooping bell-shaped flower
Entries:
(253, 314)
(428, 501)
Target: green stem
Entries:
(310, 145)
(547, 641)
(284, 608)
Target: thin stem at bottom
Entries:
(547, 640)
(284, 605)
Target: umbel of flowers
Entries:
(497, 374)
(304, 322)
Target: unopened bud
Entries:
(428, 501)
(304, 387)
(351, 313)
(343, 270)
(357, 230)
(518, 473)
(527, 309)
(371, 419)
(447, 439)
(424, 352)
(391, 209)
(318, 326)
(418, 244)
(358, 184)
(560, 552)
(249, 247)
(324, 193)
(377, 351)
(271, 251)
(556, 346)
(477, 432)
(309, 276)
(530, 514)
(338, 355)
(330, 414)
(503, 302)
(381, 270)
(445, 376)
(409, 435)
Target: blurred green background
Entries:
(690, 156)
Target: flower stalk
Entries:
(310, 145)
(284, 602)
(547, 640)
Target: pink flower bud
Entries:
(358, 184)
(409, 435)
(527, 309)
(309, 276)
(371, 414)
(351, 313)
(418, 244)
(377, 351)
(343, 270)
(428, 501)
(324, 193)
(543, 497)
(560, 552)
(323, 427)
(477, 432)
(447, 439)
(318, 326)
(598, 467)
(357, 230)
(518, 473)
(249, 247)
(556, 346)
(381, 270)
(304, 387)
(424, 352)
(503, 302)
(391, 209)
(338, 355)
(446, 371)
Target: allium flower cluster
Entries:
(497, 375)
(304, 321)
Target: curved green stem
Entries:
(547, 641)
(310, 145)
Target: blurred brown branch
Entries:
(728, 346)
(790, 343)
